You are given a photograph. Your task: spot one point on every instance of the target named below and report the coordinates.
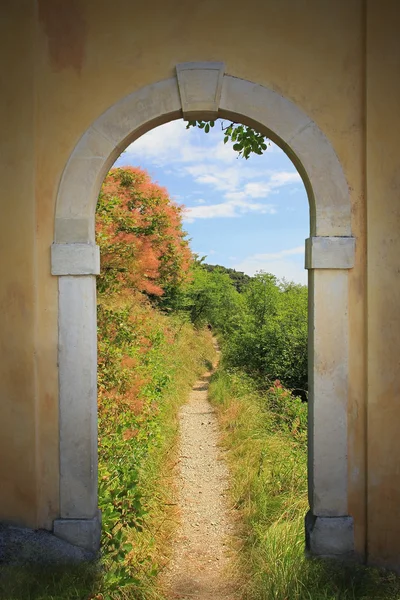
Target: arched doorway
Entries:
(204, 91)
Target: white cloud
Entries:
(260, 189)
(224, 209)
(257, 189)
(231, 208)
(280, 254)
(220, 177)
(239, 196)
(159, 145)
(276, 263)
(171, 143)
(284, 177)
(208, 161)
(238, 190)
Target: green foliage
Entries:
(212, 299)
(265, 436)
(262, 330)
(246, 140)
(271, 340)
(239, 279)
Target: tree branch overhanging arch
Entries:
(245, 139)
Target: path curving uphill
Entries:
(199, 567)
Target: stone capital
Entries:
(330, 252)
(75, 259)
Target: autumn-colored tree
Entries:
(139, 230)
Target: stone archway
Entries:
(203, 90)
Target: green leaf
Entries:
(128, 547)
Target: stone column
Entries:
(76, 265)
(329, 528)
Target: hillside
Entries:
(240, 280)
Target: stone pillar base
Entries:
(84, 533)
(330, 536)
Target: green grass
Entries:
(49, 583)
(264, 435)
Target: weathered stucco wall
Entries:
(70, 62)
(18, 303)
(383, 202)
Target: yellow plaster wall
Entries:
(80, 57)
(18, 394)
(383, 194)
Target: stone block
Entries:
(330, 253)
(329, 536)
(84, 533)
(200, 86)
(75, 259)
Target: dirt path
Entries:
(200, 561)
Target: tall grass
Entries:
(265, 436)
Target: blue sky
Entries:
(249, 215)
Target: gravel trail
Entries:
(199, 567)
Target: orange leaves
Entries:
(129, 362)
(130, 433)
(139, 230)
(143, 253)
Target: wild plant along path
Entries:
(200, 562)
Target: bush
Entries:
(270, 341)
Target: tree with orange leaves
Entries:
(139, 230)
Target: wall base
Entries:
(84, 533)
(21, 546)
(330, 536)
